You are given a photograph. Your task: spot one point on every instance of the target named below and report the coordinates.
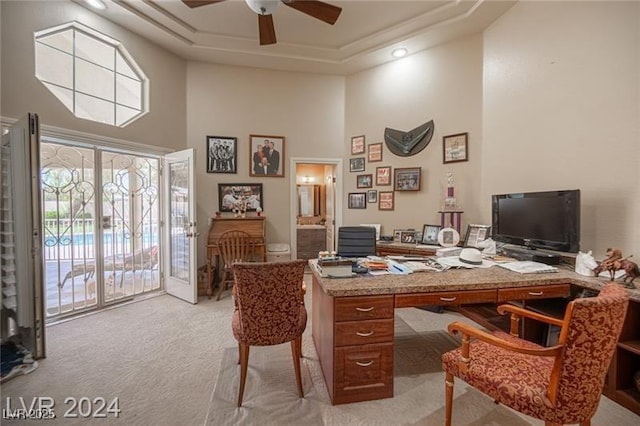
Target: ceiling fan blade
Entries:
(198, 3)
(266, 29)
(317, 9)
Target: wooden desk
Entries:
(353, 318)
(254, 226)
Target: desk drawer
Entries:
(446, 298)
(363, 308)
(364, 332)
(363, 373)
(536, 292)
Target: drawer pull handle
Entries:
(364, 364)
(536, 293)
(448, 299)
(365, 309)
(367, 334)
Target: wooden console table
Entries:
(353, 322)
(254, 226)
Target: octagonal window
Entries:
(91, 74)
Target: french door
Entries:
(181, 236)
(101, 226)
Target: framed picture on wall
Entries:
(383, 176)
(374, 152)
(357, 200)
(356, 164)
(222, 154)
(407, 179)
(385, 200)
(454, 148)
(266, 156)
(357, 145)
(372, 196)
(364, 181)
(230, 195)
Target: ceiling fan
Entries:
(264, 8)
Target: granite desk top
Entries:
(494, 277)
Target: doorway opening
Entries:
(316, 205)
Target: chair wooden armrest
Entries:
(470, 331)
(517, 312)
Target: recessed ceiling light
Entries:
(399, 52)
(96, 4)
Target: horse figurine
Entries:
(614, 262)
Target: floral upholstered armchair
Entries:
(559, 384)
(269, 310)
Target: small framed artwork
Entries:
(475, 234)
(374, 152)
(383, 176)
(454, 148)
(408, 237)
(430, 234)
(357, 145)
(407, 179)
(397, 234)
(356, 164)
(231, 195)
(357, 200)
(364, 181)
(266, 155)
(385, 200)
(372, 196)
(222, 154)
(448, 237)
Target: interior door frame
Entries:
(293, 205)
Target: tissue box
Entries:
(336, 268)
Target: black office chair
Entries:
(356, 241)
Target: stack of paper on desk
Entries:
(528, 267)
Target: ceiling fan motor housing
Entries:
(263, 7)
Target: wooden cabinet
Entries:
(254, 226)
(619, 385)
(310, 241)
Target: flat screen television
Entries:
(538, 220)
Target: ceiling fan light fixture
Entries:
(263, 7)
(399, 52)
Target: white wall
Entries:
(163, 126)
(443, 84)
(562, 111)
(307, 109)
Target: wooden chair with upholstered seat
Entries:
(269, 311)
(234, 246)
(559, 384)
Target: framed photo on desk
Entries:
(475, 234)
(430, 234)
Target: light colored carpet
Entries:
(271, 396)
(172, 363)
